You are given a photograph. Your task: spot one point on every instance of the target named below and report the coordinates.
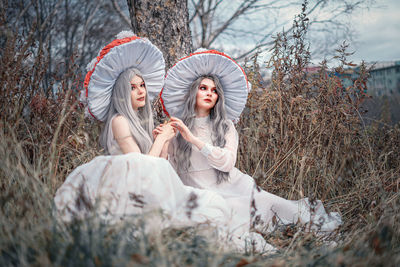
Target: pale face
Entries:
(206, 97)
(138, 93)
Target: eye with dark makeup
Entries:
(134, 86)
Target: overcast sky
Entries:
(378, 33)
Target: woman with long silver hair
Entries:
(204, 93)
(129, 124)
(218, 121)
(133, 179)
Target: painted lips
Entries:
(208, 100)
(140, 98)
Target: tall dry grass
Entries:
(302, 136)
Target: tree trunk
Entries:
(165, 23)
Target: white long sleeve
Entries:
(223, 159)
(204, 163)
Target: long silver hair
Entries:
(141, 122)
(219, 125)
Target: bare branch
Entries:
(53, 12)
(262, 44)
(244, 6)
(132, 13)
(121, 14)
(24, 11)
(196, 9)
(87, 22)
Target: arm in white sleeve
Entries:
(223, 159)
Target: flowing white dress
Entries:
(240, 189)
(119, 185)
(123, 185)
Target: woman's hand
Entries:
(157, 130)
(168, 131)
(183, 129)
(186, 133)
(165, 131)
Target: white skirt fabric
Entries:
(129, 184)
(256, 208)
(113, 187)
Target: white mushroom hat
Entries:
(126, 51)
(230, 74)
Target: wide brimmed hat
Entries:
(180, 77)
(126, 51)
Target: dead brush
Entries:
(303, 135)
(43, 136)
(298, 131)
(48, 125)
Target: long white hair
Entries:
(141, 122)
(219, 125)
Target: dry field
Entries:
(300, 136)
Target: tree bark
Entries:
(165, 24)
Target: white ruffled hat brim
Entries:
(128, 51)
(180, 77)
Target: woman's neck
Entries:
(202, 113)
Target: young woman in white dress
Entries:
(132, 179)
(204, 93)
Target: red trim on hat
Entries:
(162, 103)
(104, 52)
(199, 53)
(91, 113)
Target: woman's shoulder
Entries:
(120, 125)
(119, 120)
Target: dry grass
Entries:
(301, 136)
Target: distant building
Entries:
(347, 76)
(384, 79)
(383, 85)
